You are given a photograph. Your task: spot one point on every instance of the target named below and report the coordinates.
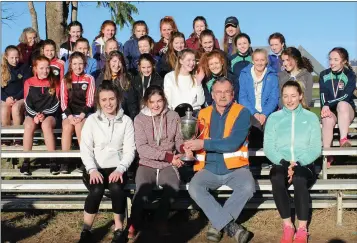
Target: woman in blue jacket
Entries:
(292, 142)
(259, 92)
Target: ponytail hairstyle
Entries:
(243, 35)
(149, 40)
(108, 85)
(168, 20)
(104, 24)
(181, 55)
(68, 75)
(171, 56)
(150, 91)
(208, 56)
(263, 51)
(198, 18)
(140, 23)
(73, 24)
(23, 36)
(344, 56)
(5, 71)
(301, 61)
(147, 57)
(278, 36)
(51, 79)
(297, 85)
(122, 78)
(48, 42)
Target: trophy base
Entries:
(186, 159)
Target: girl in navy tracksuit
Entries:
(13, 75)
(214, 66)
(277, 45)
(41, 94)
(131, 48)
(243, 56)
(337, 85)
(77, 101)
(75, 31)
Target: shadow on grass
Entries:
(12, 233)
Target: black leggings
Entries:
(96, 192)
(303, 178)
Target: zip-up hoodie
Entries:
(15, 86)
(275, 62)
(292, 136)
(270, 91)
(66, 49)
(107, 143)
(38, 98)
(151, 153)
(305, 80)
(238, 62)
(80, 98)
(344, 88)
(132, 53)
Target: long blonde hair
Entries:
(181, 55)
(5, 71)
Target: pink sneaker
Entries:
(288, 234)
(301, 236)
(344, 142)
(329, 161)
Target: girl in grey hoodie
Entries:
(299, 69)
(157, 137)
(107, 150)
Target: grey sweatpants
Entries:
(146, 179)
(240, 181)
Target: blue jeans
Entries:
(240, 181)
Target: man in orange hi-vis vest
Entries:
(222, 159)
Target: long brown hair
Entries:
(52, 80)
(122, 79)
(226, 39)
(171, 56)
(208, 56)
(68, 75)
(181, 55)
(168, 20)
(301, 61)
(296, 84)
(5, 71)
(150, 91)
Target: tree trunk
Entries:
(33, 17)
(74, 11)
(56, 21)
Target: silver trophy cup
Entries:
(189, 130)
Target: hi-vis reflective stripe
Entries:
(236, 154)
(200, 157)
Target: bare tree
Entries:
(33, 16)
(8, 15)
(56, 21)
(74, 13)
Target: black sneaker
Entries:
(25, 168)
(86, 236)
(54, 168)
(80, 168)
(237, 232)
(64, 168)
(213, 235)
(118, 236)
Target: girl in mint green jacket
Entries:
(292, 142)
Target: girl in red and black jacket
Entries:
(41, 95)
(57, 65)
(77, 99)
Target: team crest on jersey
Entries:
(55, 72)
(84, 87)
(341, 85)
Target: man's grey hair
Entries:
(222, 80)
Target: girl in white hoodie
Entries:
(107, 150)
